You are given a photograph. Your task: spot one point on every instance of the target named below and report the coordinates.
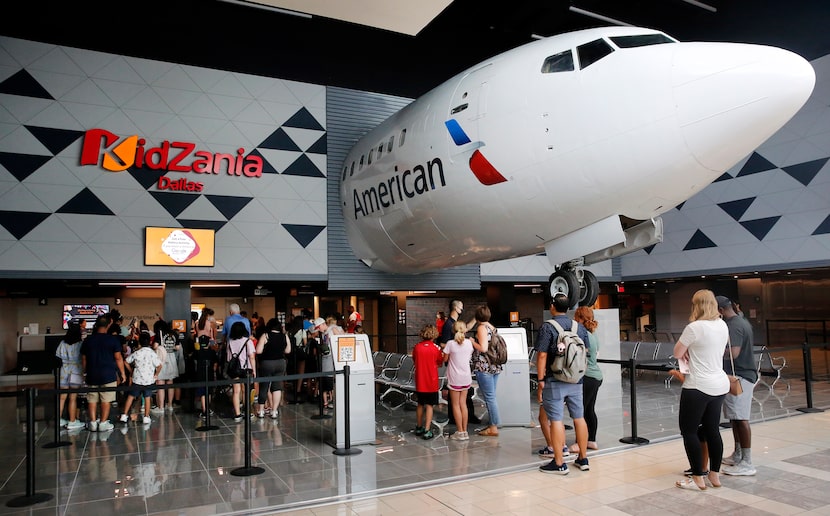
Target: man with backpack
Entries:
(555, 393)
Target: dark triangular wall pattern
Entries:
(823, 228)
(174, 203)
(23, 84)
(267, 167)
(303, 234)
(723, 177)
(760, 227)
(85, 203)
(699, 241)
(318, 147)
(215, 225)
(303, 166)
(56, 140)
(737, 208)
(228, 205)
(278, 140)
(302, 119)
(649, 249)
(805, 172)
(22, 165)
(19, 223)
(755, 164)
(146, 177)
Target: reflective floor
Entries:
(170, 467)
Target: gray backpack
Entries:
(571, 359)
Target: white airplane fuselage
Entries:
(504, 160)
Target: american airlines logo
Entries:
(484, 171)
(111, 152)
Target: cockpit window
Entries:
(641, 40)
(590, 53)
(561, 62)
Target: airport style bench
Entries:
(769, 366)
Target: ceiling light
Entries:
(214, 285)
(130, 284)
(527, 285)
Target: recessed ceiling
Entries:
(404, 17)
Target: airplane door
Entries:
(467, 106)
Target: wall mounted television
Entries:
(87, 312)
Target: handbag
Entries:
(735, 387)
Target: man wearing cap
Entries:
(737, 408)
(325, 329)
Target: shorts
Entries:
(427, 398)
(458, 387)
(557, 394)
(141, 389)
(103, 397)
(738, 408)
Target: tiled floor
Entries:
(172, 468)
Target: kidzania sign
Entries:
(110, 152)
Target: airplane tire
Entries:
(589, 289)
(564, 281)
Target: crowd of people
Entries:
(153, 362)
(716, 344)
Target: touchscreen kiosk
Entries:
(354, 350)
(513, 391)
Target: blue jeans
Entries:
(487, 384)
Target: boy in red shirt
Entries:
(427, 357)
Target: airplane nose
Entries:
(730, 97)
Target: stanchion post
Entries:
(247, 470)
(808, 379)
(30, 498)
(347, 423)
(204, 427)
(57, 442)
(634, 439)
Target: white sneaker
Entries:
(275, 414)
(74, 425)
(261, 414)
(62, 423)
(146, 420)
(731, 460)
(124, 418)
(105, 426)
(742, 469)
(92, 426)
(157, 410)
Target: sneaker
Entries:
(419, 430)
(169, 408)
(74, 425)
(105, 426)
(464, 436)
(157, 410)
(731, 460)
(553, 467)
(566, 452)
(427, 435)
(146, 420)
(261, 414)
(582, 464)
(237, 419)
(457, 436)
(92, 426)
(742, 469)
(124, 418)
(547, 451)
(275, 414)
(62, 423)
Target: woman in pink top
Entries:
(458, 352)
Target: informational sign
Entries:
(180, 325)
(179, 247)
(346, 349)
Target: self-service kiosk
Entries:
(513, 391)
(354, 350)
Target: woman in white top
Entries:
(702, 344)
(240, 344)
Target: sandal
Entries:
(689, 483)
(487, 432)
(712, 484)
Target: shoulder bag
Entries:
(735, 387)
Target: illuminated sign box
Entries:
(179, 247)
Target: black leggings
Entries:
(590, 390)
(701, 411)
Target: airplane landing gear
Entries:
(581, 286)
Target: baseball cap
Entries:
(723, 301)
(307, 325)
(317, 322)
